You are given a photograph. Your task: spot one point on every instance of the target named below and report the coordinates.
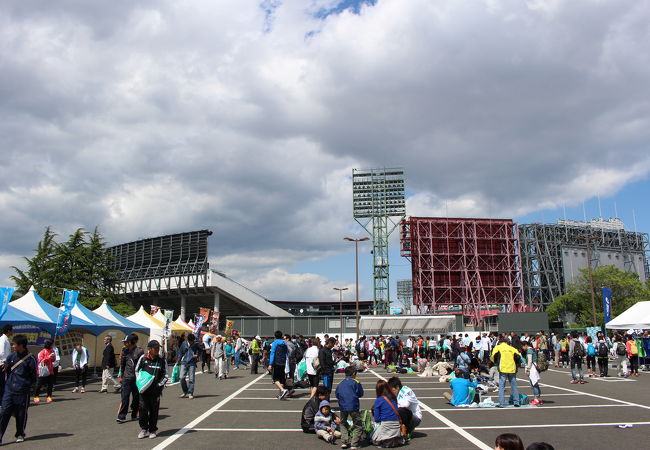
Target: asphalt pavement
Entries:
(243, 413)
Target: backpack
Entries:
(267, 346)
(542, 362)
(620, 349)
(578, 350)
(633, 348)
(280, 357)
(602, 350)
(591, 350)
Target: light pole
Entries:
(356, 272)
(341, 309)
(588, 240)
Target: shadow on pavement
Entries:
(47, 436)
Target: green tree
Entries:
(626, 288)
(81, 263)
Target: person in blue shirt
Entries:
(463, 361)
(348, 393)
(188, 355)
(460, 390)
(388, 433)
(277, 364)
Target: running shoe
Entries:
(283, 394)
(75, 389)
(143, 434)
(82, 390)
(152, 435)
(190, 396)
(183, 395)
(48, 400)
(20, 439)
(37, 400)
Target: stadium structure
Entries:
(552, 255)
(471, 264)
(173, 272)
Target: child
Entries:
(150, 392)
(348, 393)
(311, 408)
(325, 423)
(20, 369)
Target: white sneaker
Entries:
(75, 389)
(22, 438)
(143, 434)
(283, 394)
(190, 396)
(152, 435)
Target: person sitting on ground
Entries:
(311, 408)
(463, 361)
(442, 368)
(404, 362)
(508, 441)
(460, 394)
(325, 423)
(408, 405)
(388, 433)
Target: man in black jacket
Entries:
(20, 369)
(129, 359)
(108, 365)
(327, 363)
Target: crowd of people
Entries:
(472, 366)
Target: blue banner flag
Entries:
(5, 296)
(65, 315)
(198, 323)
(607, 304)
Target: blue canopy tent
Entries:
(32, 304)
(108, 313)
(99, 323)
(14, 316)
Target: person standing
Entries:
(312, 374)
(507, 359)
(188, 355)
(108, 365)
(5, 351)
(602, 355)
(532, 372)
(620, 351)
(576, 354)
(277, 364)
(633, 355)
(205, 353)
(218, 354)
(80, 358)
(238, 348)
(20, 370)
(230, 352)
(45, 360)
(254, 351)
(348, 393)
(327, 363)
(149, 403)
(130, 357)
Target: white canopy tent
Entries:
(637, 317)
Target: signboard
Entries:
(35, 336)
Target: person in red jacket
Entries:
(45, 360)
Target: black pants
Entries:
(408, 419)
(255, 360)
(47, 381)
(591, 363)
(603, 366)
(149, 407)
(81, 374)
(3, 380)
(634, 363)
(129, 388)
(14, 405)
(205, 360)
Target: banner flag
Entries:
(154, 309)
(607, 304)
(169, 315)
(205, 312)
(229, 326)
(215, 320)
(5, 296)
(64, 320)
(198, 323)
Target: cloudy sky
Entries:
(246, 118)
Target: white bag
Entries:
(43, 371)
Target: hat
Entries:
(130, 338)
(219, 336)
(153, 344)
(258, 338)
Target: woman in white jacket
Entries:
(80, 358)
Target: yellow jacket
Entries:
(508, 357)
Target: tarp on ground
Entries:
(636, 317)
(121, 322)
(14, 316)
(31, 303)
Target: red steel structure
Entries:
(473, 263)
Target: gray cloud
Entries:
(151, 118)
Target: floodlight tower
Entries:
(377, 198)
(405, 294)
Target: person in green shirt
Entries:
(254, 350)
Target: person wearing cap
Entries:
(153, 364)
(130, 357)
(254, 351)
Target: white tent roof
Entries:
(182, 323)
(141, 317)
(109, 313)
(636, 317)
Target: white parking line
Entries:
(480, 444)
(171, 439)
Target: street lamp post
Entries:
(356, 272)
(588, 240)
(341, 310)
